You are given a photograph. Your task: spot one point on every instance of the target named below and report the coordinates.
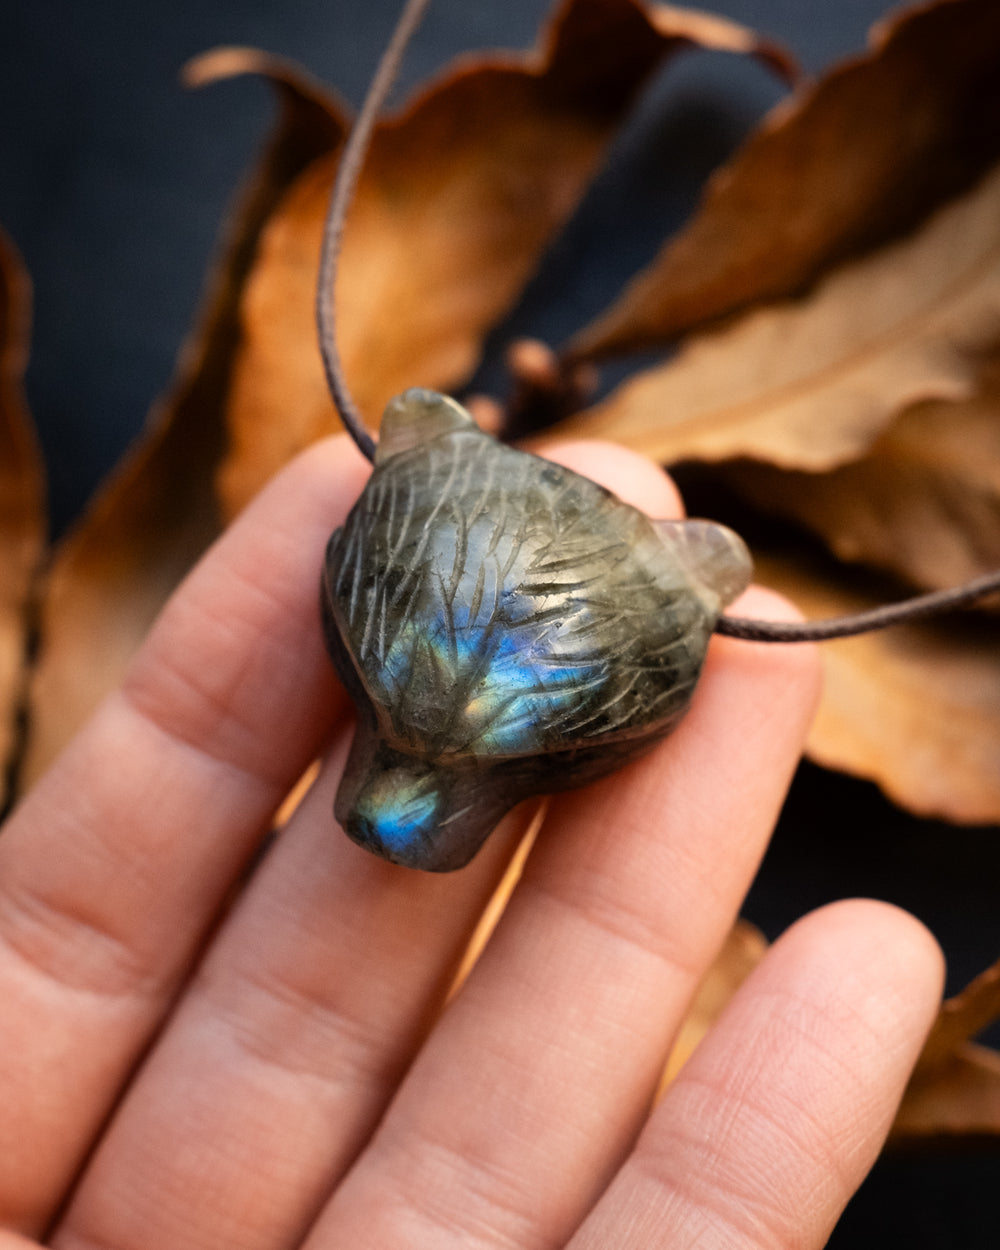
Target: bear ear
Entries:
(415, 417)
(715, 557)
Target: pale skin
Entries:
(191, 1060)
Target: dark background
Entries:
(114, 182)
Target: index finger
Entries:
(115, 866)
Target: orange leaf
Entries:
(959, 1098)
(459, 196)
(855, 159)
(955, 1088)
(915, 709)
(961, 1018)
(158, 512)
(22, 516)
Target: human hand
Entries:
(191, 1060)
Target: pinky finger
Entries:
(775, 1120)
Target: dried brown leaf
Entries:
(159, 511)
(811, 383)
(961, 1018)
(719, 34)
(923, 503)
(915, 709)
(459, 196)
(955, 1088)
(853, 160)
(958, 1098)
(22, 514)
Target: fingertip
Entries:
(792, 672)
(332, 470)
(760, 602)
(806, 1067)
(635, 479)
(882, 946)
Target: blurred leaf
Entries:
(915, 708)
(459, 197)
(22, 512)
(955, 1089)
(158, 512)
(855, 159)
(810, 384)
(961, 1018)
(960, 1098)
(924, 502)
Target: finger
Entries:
(535, 1083)
(112, 870)
(14, 1241)
(304, 1016)
(775, 1120)
(633, 479)
(286, 1050)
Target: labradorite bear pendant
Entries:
(506, 628)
